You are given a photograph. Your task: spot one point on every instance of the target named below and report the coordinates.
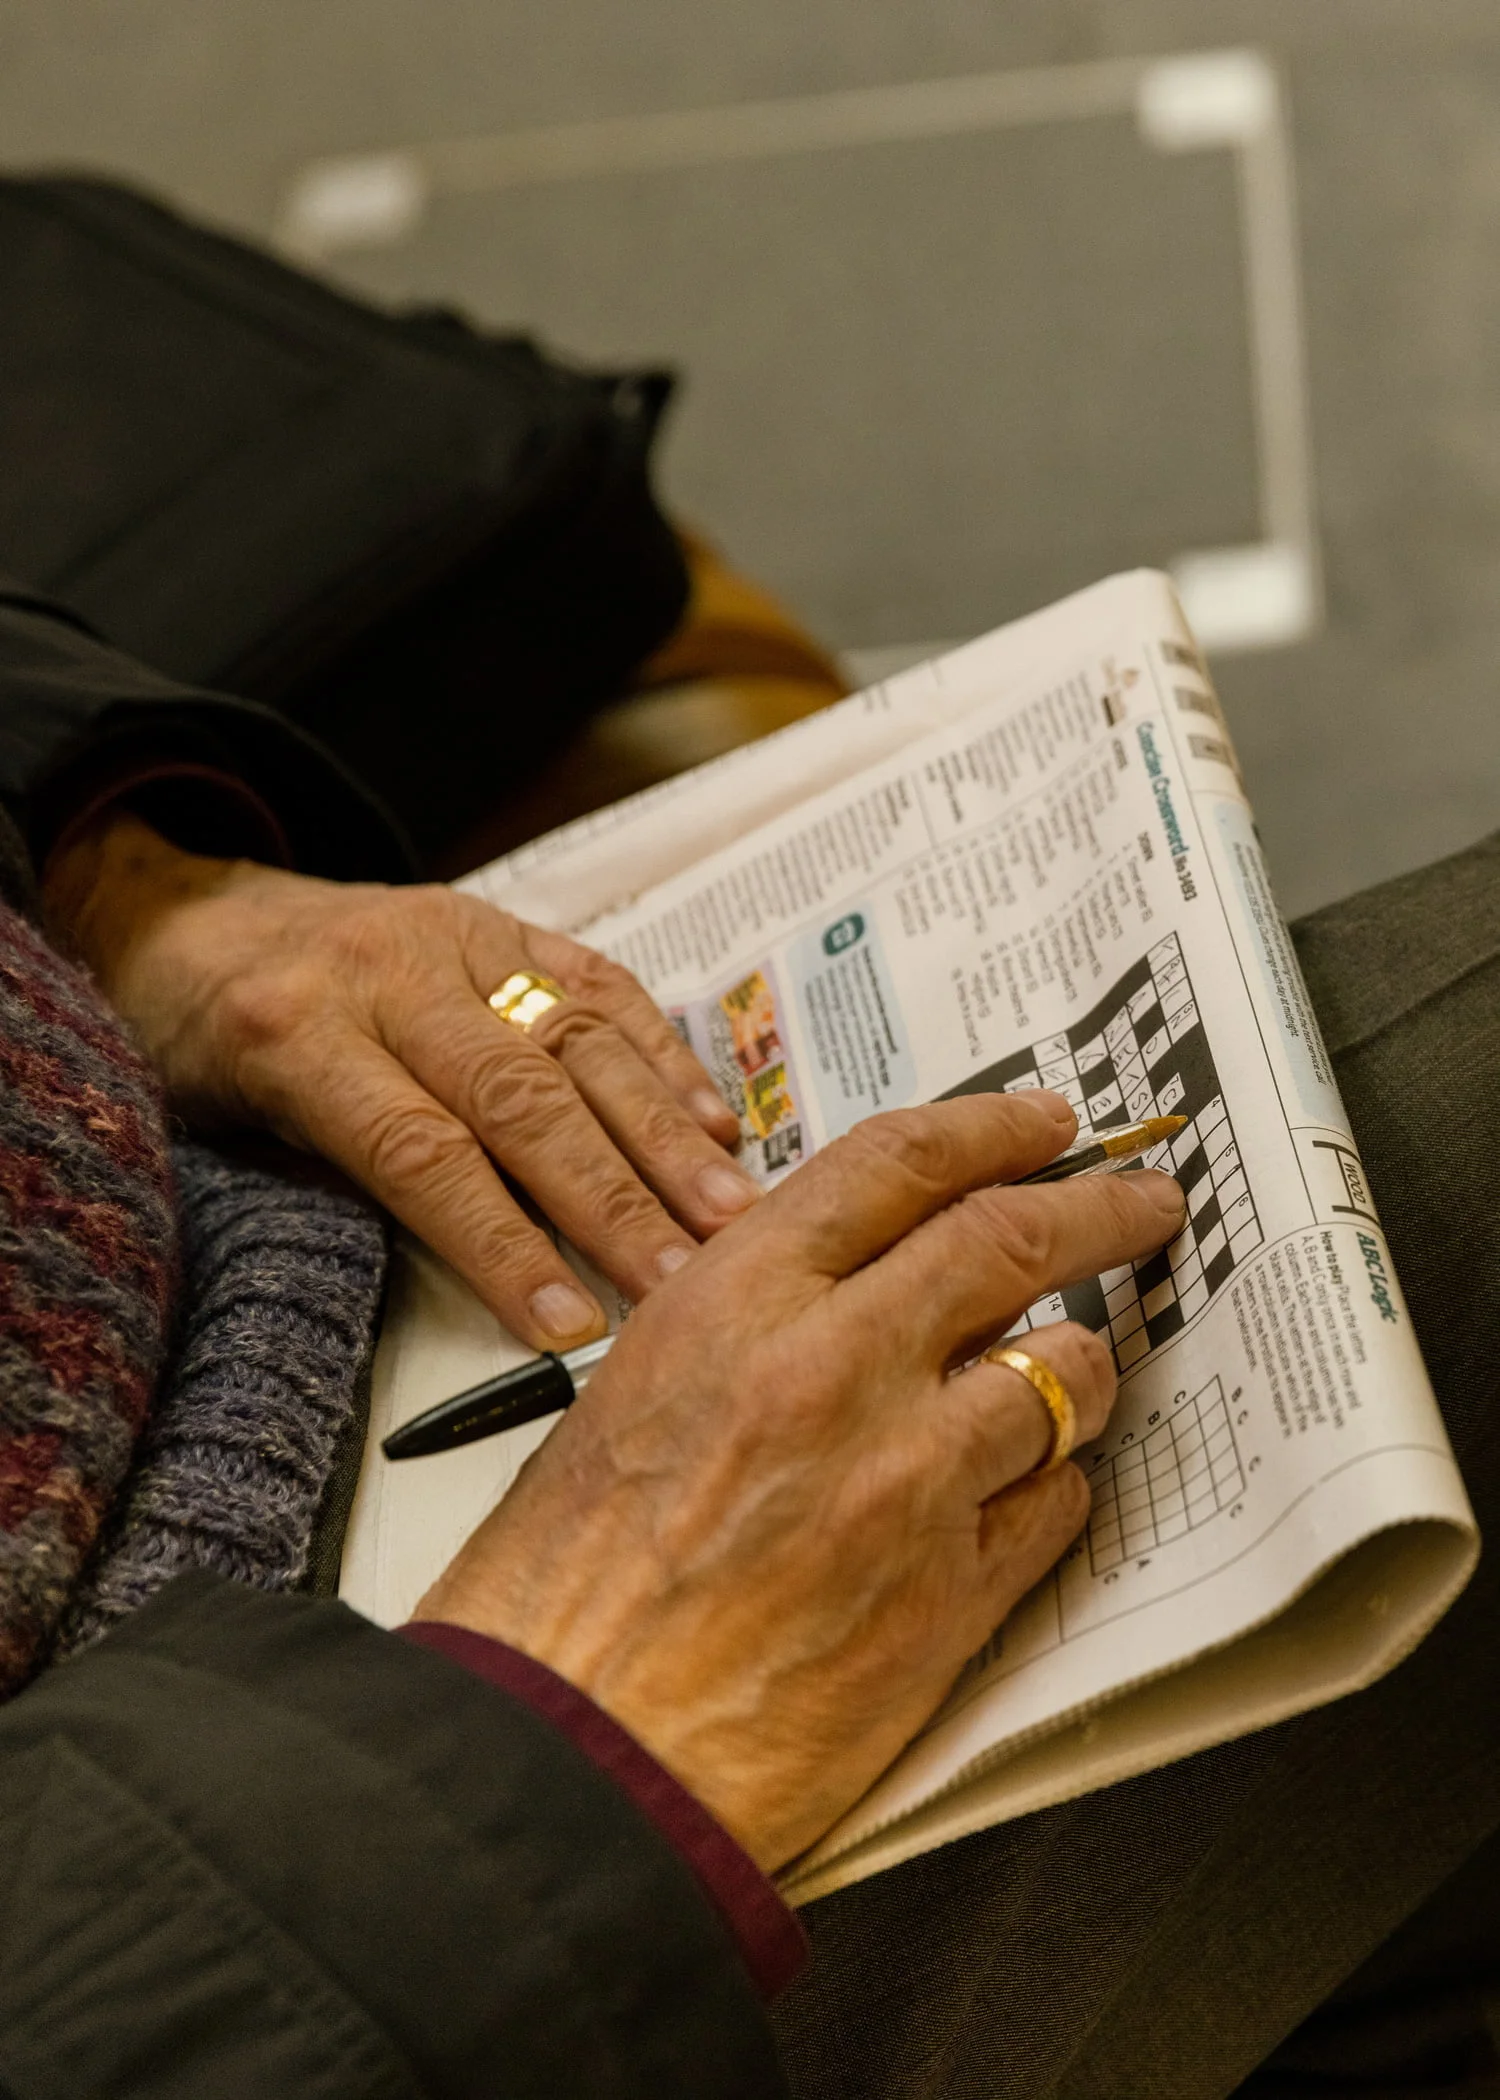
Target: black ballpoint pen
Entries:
(546, 1384)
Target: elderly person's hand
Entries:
(352, 1020)
(773, 1528)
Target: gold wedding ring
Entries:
(1055, 1397)
(525, 996)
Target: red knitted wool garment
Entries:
(88, 1258)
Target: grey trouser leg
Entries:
(1155, 1942)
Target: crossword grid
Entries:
(1142, 1051)
(1176, 1478)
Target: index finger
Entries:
(968, 1274)
(866, 1191)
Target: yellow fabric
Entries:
(733, 629)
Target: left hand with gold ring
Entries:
(788, 1518)
(353, 1020)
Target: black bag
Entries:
(437, 550)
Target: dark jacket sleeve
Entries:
(77, 716)
(253, 1845)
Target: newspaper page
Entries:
(1035, 865)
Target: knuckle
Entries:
(520, 1085)
(1020, 1232)
(620, 1206)
(1089, 1373)
(912, 1140)
(411, 1144)
(658, 1132)
(1034, 1520)
(1032, 1523)
(593, 976)
(1090, 1352)
(501, 1243)
(571, 1030)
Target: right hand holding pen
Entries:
(774, 1528)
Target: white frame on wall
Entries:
(1264, 594)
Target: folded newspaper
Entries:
(1029, 863)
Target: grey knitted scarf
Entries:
(281, 1282)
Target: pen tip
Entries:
(1161, 1127)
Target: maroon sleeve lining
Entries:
(261, 835)
(770, 1938)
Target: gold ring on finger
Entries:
(525, 996)
(1055, 1396)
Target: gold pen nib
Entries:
(1140, 1137)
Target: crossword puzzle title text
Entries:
(1161, 787)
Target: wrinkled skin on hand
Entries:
(774, 1526)
(351, 1019)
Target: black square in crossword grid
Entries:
(1152, 1273)
(1150, 1031)
(1163, 1325)
(1193, 1169)
(1097, 1079)
(1086, 1305)
(1219, 1270)
(1142, 1050)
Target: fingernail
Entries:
(671, 1258)
(1060, 1110)
(727, 1189)
(708, 1106)
(560, 1310)
(1161, 1191)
